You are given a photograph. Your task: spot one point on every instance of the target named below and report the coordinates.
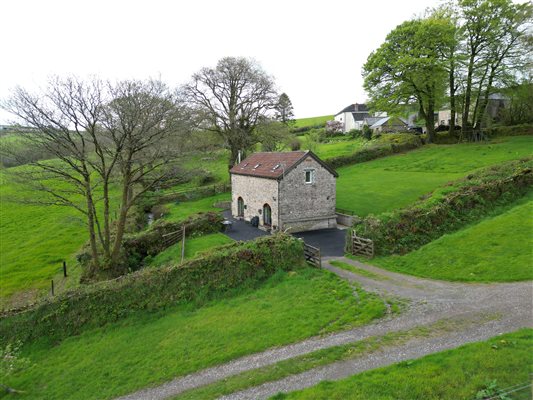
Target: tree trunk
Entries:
(452, 98)
(107, 228)
(465, 130)
(90, 224)
(121, 222)
(430, 120)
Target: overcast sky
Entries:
(314, 49)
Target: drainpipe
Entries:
(239, 157)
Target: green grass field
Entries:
(301, 122)
(497, 249)
(393, 182)
(193, 247)
(450, 375)
(335, 148)
(35, 239)
(180, 211)
(149, 348)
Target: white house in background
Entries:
(352, 117)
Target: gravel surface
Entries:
(429, 301)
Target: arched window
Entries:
(267, 215)
(240, 207)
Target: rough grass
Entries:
(358, 271)
(454, 374)
(497, 249)
(393, 182)
(336, 148)
(181, 210)
(301, 122)
(148, 349)
(193, 246)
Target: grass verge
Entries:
(358, 271)
(454, 374)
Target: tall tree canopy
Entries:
(407, 68)
(232, 98)
(284, 110)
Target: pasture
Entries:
(312, 121)
(393, 182)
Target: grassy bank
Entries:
(152, 348)
(456, 374)
(497, 249)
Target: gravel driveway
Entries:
(429, 302)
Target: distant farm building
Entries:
(290, 191)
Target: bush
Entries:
(295, 144)
(232, 266)
(515, 130)
(387, 145)
(355, 133)
(447, 209)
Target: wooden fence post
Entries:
(183, 245)
(52, 287)
(64, 269)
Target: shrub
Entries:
(232, 266)
(367, 132)
(387, 145)
(447, 209)
(295, 144)
(515, 130)
(355, 133)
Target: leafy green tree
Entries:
(284, 110)
(408, 68)
(493, 34)
(273, 135)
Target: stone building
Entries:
(290, 191)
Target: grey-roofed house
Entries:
(290, 191)
(389, 125)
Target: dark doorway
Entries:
(267, 215)
(240, 207)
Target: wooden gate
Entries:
(312, 255)
(362, 246)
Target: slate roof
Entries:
(274, 165)
(359, 116)
(354, 108)
(383, 120)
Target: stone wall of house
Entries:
(307, 206)
(255, 192)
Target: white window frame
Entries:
(311, 175)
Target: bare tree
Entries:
(101, 135)
(232, 98)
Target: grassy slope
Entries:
(181, 210)
(192, 248)
(499, 248)
(34, 240)
(335, 148)
(149, 349)
(393, 182)
(454, 374)
(301, 122)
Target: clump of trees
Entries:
(102, 138)
(458, 54)
(101, 135)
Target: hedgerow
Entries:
(233, 266)
(447, 209)
(513, 130)
(386, 145)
